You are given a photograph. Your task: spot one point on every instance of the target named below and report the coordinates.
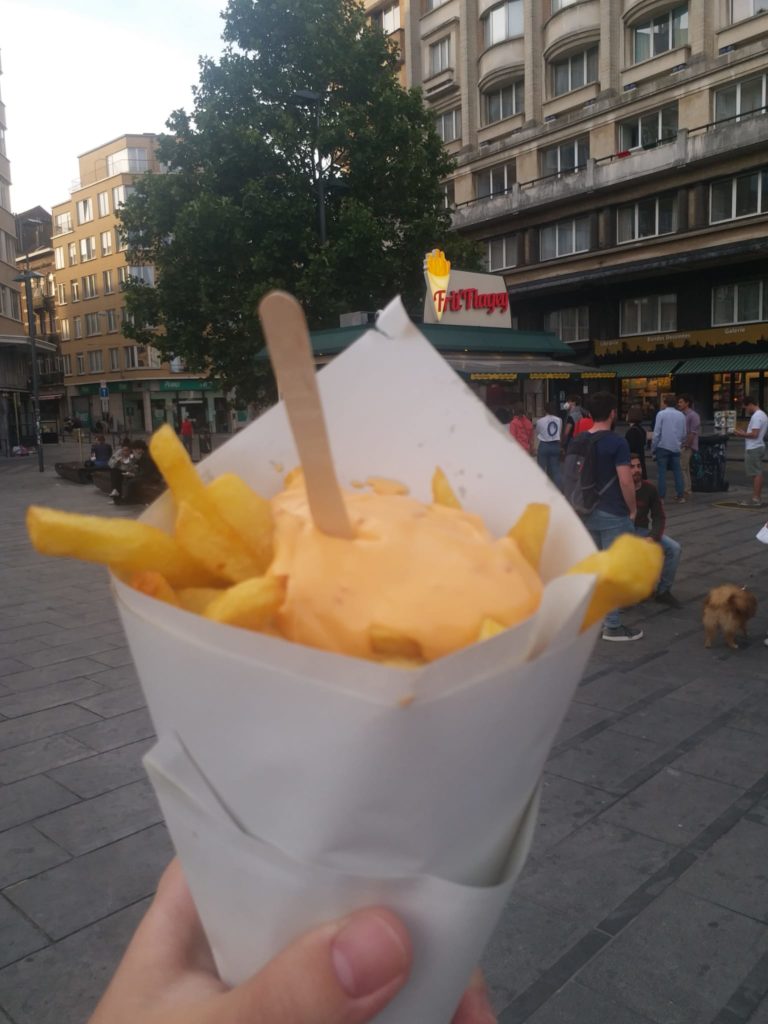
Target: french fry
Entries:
(197, 599)
(442, 492)
(530, 532)
(626, 573)
(220, 551)
(124, 544)
(489, 628)
(174, 463)
(393, 645)
(250, 604)
(154, 584)
(247, 513)
(293, 477)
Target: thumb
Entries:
(344, 972)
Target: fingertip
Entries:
(371, 951)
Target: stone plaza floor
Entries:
(645, 900)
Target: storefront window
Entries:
(643, 391)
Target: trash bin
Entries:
(709, 464)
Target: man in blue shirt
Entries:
(617, 505)
(669, 433)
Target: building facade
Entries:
(108, 377)
(612, 158)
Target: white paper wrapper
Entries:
(762, 534)
(295, 782)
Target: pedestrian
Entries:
(187, 432)
(138, 479)
(586, 422)
(548, 431)
(650, 522)
(668, 436)
(637, 436)
(574, 413)
(691, 442)
(122, 462)
(101, 453)
(754, 448)
(521, 428)
(616, 505)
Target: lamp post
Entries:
(28, 276)
(314, 99)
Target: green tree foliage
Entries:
(237, 212)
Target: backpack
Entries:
(580, 474)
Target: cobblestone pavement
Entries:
(646, 896)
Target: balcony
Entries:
(565, 29)
(503, 58)
(53, 379)
(706, 144)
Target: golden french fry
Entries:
(197, 599)
(530, 532)
(442, 492)
(247, 513)
(394, 646)
(124, 544)
(219, 550)
(293, 477)
(626, 573)
(489, 628)
(250, 604)
(174, 463)
(154, 584)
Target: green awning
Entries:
(647, 368)
(726, 364)
(452, 338)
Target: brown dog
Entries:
(729, 607)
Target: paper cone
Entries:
(438, 283)
(335, 782)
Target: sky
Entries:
(78, 73)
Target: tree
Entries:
(237, 212)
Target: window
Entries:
(5, 195)
(89, 287)
(122, 277)
(132, 160)
(434, 4)
(103, 203)
(61, 294)
(742, 303)
(649, 129)
(501, 252)
(565, 156)
(114, 358)
(574, 72)
(494, 180)
(658, 35)
(58, 257)
(131, 356)
(62, 223)
(74, 291)
(77, 324)
(740, 99)
(109, 282)
(564, 238)
(9, 303)
(111, 322)
(504, 21)
(558, 5)
(63, 327)
(122, 243)
(105, 239)
(387, 19)
(67, 364)
(569, 324)
(741, 9)
(440, 55)
(8, 248)
(646, 218)
(72, 253)
(95, 361)
(144, 274)
(449, 125)
(449, 195)
(740, 196)
(80, 362)
(504, 102)
(87, 249)
(651, 314)
(84, 210)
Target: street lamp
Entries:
(314, 99)
(28, 276)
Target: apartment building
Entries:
(109, 376)
(612, 159)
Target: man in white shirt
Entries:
(754, 448)
(669, 433)
(548, 430)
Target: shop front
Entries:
(139, 407)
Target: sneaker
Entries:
(753, 503)
(114, 493)
(668, 598)
(620, 634)
(766, 641)
(680, 499)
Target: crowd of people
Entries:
(623, 499)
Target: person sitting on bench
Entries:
(122, 462)
(143, 478)
(101, 453)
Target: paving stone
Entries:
(103, 772)
(579, 718)
(117, 731)
(679, 961)
(116, 657)
(720, 692)
(18, 937)
(66, 652)
(673, 806)
(753, 716)
(24, 852)
(728, 755)
(34, 677)
(115, 678)
(10, 665)
(565, 805)
(607, 760)
(62, 984)
(16, 731)
(617, 691)
(575, 1004)
(666, 721)
(88, 888)
(115, 702)
(734, 872)
(24, 632)
(14, 705)
(760, 1016)
(81, 633)
(39, 756)
(593, 871)
(93, 823)
(30, 798)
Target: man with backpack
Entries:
(597, 480)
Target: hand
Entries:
(343, 972)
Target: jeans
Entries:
(548, 457)
(672, 552)
(605, 528)
(664, 458)
(686, 454)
